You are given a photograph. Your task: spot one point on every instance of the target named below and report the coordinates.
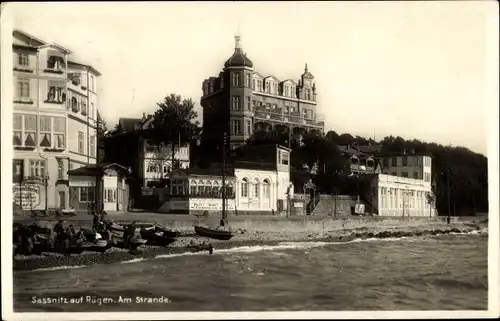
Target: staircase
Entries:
(313, 202)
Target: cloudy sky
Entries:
(413, 69)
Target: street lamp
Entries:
(45, 181)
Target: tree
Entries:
(174, 122)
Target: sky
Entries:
(410, 69)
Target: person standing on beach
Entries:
(95, 221)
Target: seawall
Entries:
(311, 223)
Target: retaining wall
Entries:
(304, 223)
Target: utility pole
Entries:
(224, 215)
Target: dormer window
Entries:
(253, 84)
(308, 94)
(292, 92)
(222, 81)
(211, 86)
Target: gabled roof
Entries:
(257, 74)
(274, 78)
(76, 64)
(128, 124)
(59, 47)
(18, 34)
(290, 81)
(93, 170)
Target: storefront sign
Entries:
(27, 196)
(210, 205)
(178, 205)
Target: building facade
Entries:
(241, 101)
(150, 163)
(54, 121)
(401, 196)
(413, 166)
(253, 187)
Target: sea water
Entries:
(446, 272)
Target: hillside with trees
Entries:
(456, 170)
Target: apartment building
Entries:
(55, 109)
(241, 101)
(415, 166)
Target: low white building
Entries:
(400, 196)
(252, 187)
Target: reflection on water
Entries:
(441, 273)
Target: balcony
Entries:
(295, 118)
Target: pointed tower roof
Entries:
(307, 74)
(239, 58)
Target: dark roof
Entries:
(94, 170)
(238, 59)
(128, 124)
(398, 154)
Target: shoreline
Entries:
(257, 238)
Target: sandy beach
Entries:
(343, 232)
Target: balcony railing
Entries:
(290, 118)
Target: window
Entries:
(394, 161)
(24, 130)
(259, 85)
(222, 81)
(84, 108)
(236, 102)
(23, 59)
(247, 83)
(404, 174)
(268, 87)
(60, 169)
(415, 175)
(59, 131)
(236, 127)
(385, 162)
(110, 195)
(253, 84)
(92, 146)
(266, 188)
(249, 127)
(249, 107)
(45, 131)
(284, 158)
(244, 187)
(286, 91)
(80, 142)
(87, 194)
(292, 92)
(211, 86)
(37, 168)
(256, 188)
(17, 170)
(55, 63)
(394, 174)
(56, 93)
(405, 160)
(91, 111)
(92, 83)
(23, 88)
(236, 79)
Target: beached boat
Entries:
(157, 235)
(117, 236)
(218, 233)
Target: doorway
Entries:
(62, 199)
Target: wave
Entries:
(63, 267)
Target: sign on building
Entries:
(26, 196)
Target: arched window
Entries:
(244, 187)
(256, 188)
(216, 189)
(74, 104)
(266, 188)
(230, 190)
(208, 189)
(354, 160)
